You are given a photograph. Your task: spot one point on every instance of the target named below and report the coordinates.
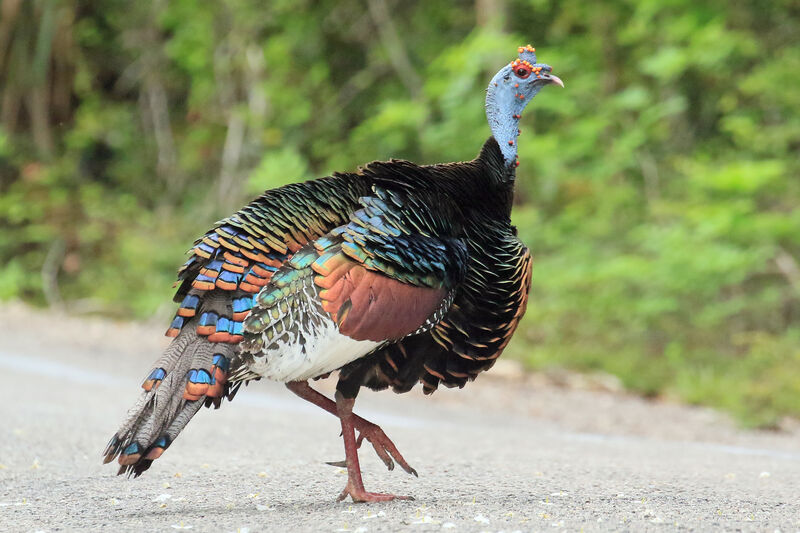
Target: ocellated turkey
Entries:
(392, 275)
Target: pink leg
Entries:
(384, 447)
(355, 485)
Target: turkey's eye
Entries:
(521, 68)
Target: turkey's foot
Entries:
(362, 496)
(382, 444)
(384, 447)
(355, 485)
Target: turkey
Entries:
(393, 275)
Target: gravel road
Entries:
(508, 453)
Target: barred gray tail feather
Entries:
(191, 373)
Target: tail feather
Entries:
(192, 372)
(140, 462)
(144, 406)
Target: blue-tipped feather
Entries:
(190, 302)
(214, 265)
(208, 318)
(230, 277)
(157, 374)
(132, 449)
(242, 304)
(229, 231)
(221, 362)
(224, 325)
(204, 278)
(206, 248)
(199, 376)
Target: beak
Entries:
(555, 80)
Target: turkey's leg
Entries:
(355, 485)
(384, 447)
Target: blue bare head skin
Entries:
(509, 92)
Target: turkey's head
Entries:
(536, 75)
(509, 92)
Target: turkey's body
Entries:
(395, 275)
(488, 303)
(468, 203)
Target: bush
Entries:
(658, 192)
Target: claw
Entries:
(380, 449)
(340, 464)
(383, 446)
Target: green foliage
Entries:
(659, 190)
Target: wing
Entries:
(240, 254)
(484, 315)
(377, 279)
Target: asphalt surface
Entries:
(513, 453)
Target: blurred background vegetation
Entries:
(659, 191)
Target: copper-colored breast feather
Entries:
(367, 305)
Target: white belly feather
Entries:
(299, 339)
(296, 358)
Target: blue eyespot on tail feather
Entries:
(154, 379)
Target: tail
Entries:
(227, 267)
(192, 372)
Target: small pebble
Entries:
(482, 519)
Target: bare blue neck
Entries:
(504, 106)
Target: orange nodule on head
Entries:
(526, 48)
(522, 63)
